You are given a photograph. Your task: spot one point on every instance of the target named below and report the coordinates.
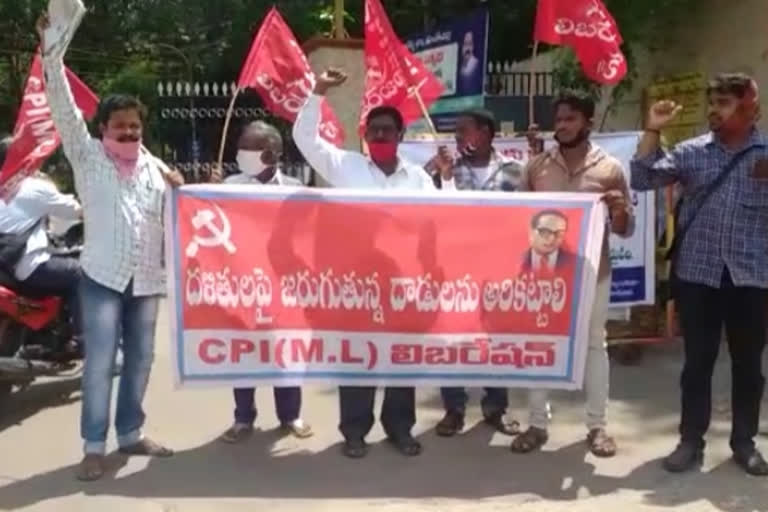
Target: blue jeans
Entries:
(109, 315)
(287, 404)
(494, 401)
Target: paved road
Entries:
(39, 444)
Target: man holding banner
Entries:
(480, 167)
(577, 165)
(384, 128)
(258, 154)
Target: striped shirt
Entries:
(731, 230)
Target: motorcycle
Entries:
(35, 332)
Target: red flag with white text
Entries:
(278, 70)
(590, 30)
(393, 74)
(35, 137)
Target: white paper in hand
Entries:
(64, 16)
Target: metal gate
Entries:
(191, 123)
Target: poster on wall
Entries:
(456, 53)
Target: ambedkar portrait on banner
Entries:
(547, 253)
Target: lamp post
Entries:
(195, 143)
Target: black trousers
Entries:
(398, 413)
(60, 277)
(703, 311)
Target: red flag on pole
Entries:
(35, 137)
(590, 30)
(394, 76)
(278, 70)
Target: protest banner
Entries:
(456, 53)
(287, 286)
(633, 258)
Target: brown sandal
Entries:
(237, 434)
(298, 429)
(600, 443)
(91, 468)
(530, 440)
(148, 448)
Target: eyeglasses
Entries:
(550, 233)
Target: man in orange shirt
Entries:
(578, 165)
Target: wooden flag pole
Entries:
(532, 84)
(338, 19)
(228, 117)
(425, 112)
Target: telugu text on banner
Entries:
(633, 259)
(286, 286)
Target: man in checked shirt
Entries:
(721, 260)
(121, 187)
(480, 167)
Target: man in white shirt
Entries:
(24, 214)
(258, 155)
(383, 170)
(121, 187)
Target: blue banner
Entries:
(456, 53)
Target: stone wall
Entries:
(720, 36)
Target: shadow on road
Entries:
(463, 468)
(26, 403)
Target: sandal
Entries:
(451, 424)
(497, 422)
(91, 468)
(298, 428)
(532, 439)
(148, 448)
(407, 445)
(355, 448)
(237, 433)
(600, 443)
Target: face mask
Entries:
(250, 162)
(125, 155)
(382, 151)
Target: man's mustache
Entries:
(128, 138)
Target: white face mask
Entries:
(250, 162)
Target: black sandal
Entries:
(500, 425)
(355, 448)
(407, 445)
(530, 440)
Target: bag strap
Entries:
(705, 195)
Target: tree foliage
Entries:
(128, 45)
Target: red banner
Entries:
(371, 287)
(34, 136)
(278, 70)
(588, 28)
(394, 76)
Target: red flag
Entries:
(394, 75)
(588, 28)
(35, 136)
(278, 70)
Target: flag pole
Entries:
(532, 83)
(228, 117)
(425, 112)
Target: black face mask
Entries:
(581, 137)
